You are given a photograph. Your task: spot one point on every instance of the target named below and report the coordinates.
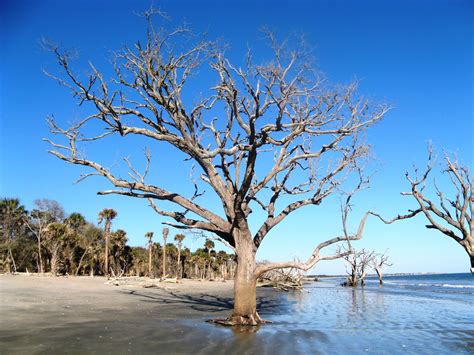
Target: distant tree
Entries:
(283, 138)
(179, 239)
(186, 267)
(75, 221)
(120, 252)
(451, 216)
(357, 262)
(378, 262)
(208, 246)
(12, 217)
(55, 235)
(165, 236)
(222, 258)
(149, 236)
(366, 259)
(45, 213)
(139, 255)
(89, 242)
(107, 215)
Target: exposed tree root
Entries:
(252, 320)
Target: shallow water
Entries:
(422, 314)
(400, 317)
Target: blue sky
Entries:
(413, 55)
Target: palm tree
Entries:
(75, 222)
(179, 238)
(107, 215)
(88, 242)
(165, 236)
(149, 235)
(209, 245)
(119, 251)
(56, 234)
(12, 216)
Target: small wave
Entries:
(457, 286)
(443, 285)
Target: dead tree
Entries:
(282, 279)
(357, 262)
(365, 260)
(451, 216)
(45, 213)
(378, 262)
(272, 136)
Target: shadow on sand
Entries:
(206, 303)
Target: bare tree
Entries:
(451, 216)
(165, 236)
(46, 212)
(272, 136)
(365, 260)
(378, 262)
(358, 262)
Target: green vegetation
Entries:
(46, 240)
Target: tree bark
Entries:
(41, 269)
(379, 274)
(149, 259)
(245, 282)
(107, 237)
(54, 260)
(164, 260)
(179, 273)
(80, 262)
(472, 263)
(245, 286)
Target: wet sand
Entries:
(41, 314)
(46, 315)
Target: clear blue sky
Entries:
(414, 55)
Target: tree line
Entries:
(45, 239)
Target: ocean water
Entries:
(422, 314)
(436, 285)
(419, 314)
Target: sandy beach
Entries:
(77, 315)
(44, 314)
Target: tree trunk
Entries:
(179, 273)
(472, 263)
(245, 283)
(10, 258)
(149, 259)
(107, 236)
(54, 260)
(41, 270)
(245, 290)
(80, 263)
(164, 260)
(379, 274)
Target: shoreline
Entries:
(78, 315)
